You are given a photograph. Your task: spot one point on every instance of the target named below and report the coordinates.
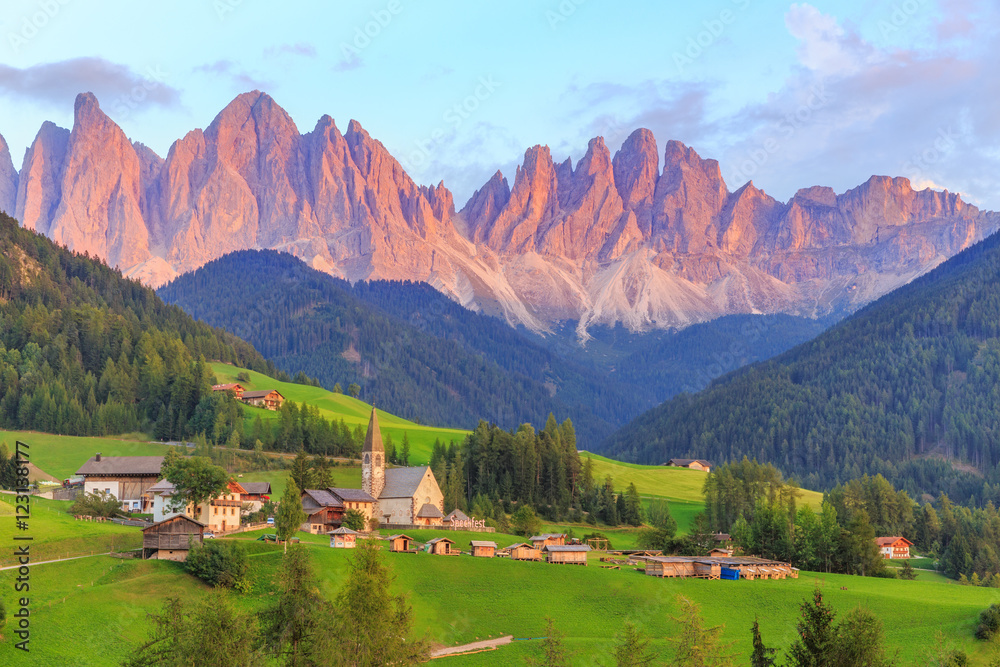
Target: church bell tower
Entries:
(373, 461)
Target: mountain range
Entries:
(611, 239)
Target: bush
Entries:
(220, 563)
(97, 503)
(354, 520)
(526, 522)
(242, 376)
(989, 622)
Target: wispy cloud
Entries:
(240, 78)
(58, 83)
(298, 49)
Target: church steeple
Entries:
(373, 459)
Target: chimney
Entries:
(98, 457)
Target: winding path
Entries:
(474, 647)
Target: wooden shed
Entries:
(483, 549)
(442, 546)
(172, 538)
(548, 540)
(575, 554)
(343, 538)
(400, 543)
(524, 551)
(669, 566)
(707, 569)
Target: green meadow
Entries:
(62, 455)
(341, 406)
(91, 611)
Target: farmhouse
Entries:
(524, 551)
(483, 549)
(234, 387)
(693, 464)
(404, 496)
(127, 478)
(343, 538)
(269, 399)
(325, 508)
(575, 554)
(442, 546)
(257, 493)
(220, 514)
(548, 540)
(894, 547)
(172, 538)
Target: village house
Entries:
(172, 538)
(257, 493)
(234, 387)
(894, 547)
(221, 514)
(325, 508)
(343, 538)
(524, 551)
(442, 546)
(269, 399)
(548, 540)
(127, 478)
(574, 554)
(483, 549)
(457, 518)
(403, 496)
(692, 464)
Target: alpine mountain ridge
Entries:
(613, 238)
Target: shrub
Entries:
(220, 563)
(989, 622)
(354, 520)
(98, 503)
(242, 376)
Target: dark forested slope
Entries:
(908, 387)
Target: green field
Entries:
(62, 455)
(90, 611)
(340, 406)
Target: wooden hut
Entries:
(172, 538)
(442, 546)
(400, 543)
(343, 538)
(483, 549)
(548, 540)
(524, 551)
(720, 553)
(669, 566)
(707, 569)
(575, 554)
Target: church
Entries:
(403, 496)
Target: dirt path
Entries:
(474, 647)
(57, 560)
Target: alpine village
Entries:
(275, 394)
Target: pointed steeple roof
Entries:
(373, 438)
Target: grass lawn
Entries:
(461, 599)
(340, 406)
(62, 455)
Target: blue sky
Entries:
(787, 94)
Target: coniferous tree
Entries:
(762, 656)
(301, 472)
(632, 647)
(697, 645)
(290, 514)
(814, 647)
(553, 651)
(296, 627)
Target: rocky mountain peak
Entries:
(8, 180)
(636, 170)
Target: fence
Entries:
(413, 526)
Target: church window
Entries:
(367, 460)
(378, 460)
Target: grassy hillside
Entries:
(340, 406)
(62, 455)
(90, 611)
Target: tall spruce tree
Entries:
(814, 647)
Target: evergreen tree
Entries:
(860, 640)
(762, 656)
(814, 647)
(404, 455)
(697, 645)
(296, 626)
(633, 506)
(321, 473)
(632, 648)
(301, 472)
(553, 652)
(290, 514)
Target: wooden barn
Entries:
(172, 538)
(127, 478)
(400, 543)
(720, 553)
(234, 387)
(574, 554)
(669, 566)
(442, 546)
(483, 549)
(269, 399)
(524, 551)
(343, 538)
(692, 464)
(729, 568)
(548, 540)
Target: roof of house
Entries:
(521, 544)
(373, 436)
(171, 517)
(681, 462)
(440, 539)
(429, 511)
(351, 495)
(546, 536)
(224, 387)
(122, 465)
(257, 488)
(566, 547)
(886, 541)
(483, 543)
(343, 530)
(323, 498)
(722, 537)
(457, 515)
(402, 482)
(401, 535)
(260, 393)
